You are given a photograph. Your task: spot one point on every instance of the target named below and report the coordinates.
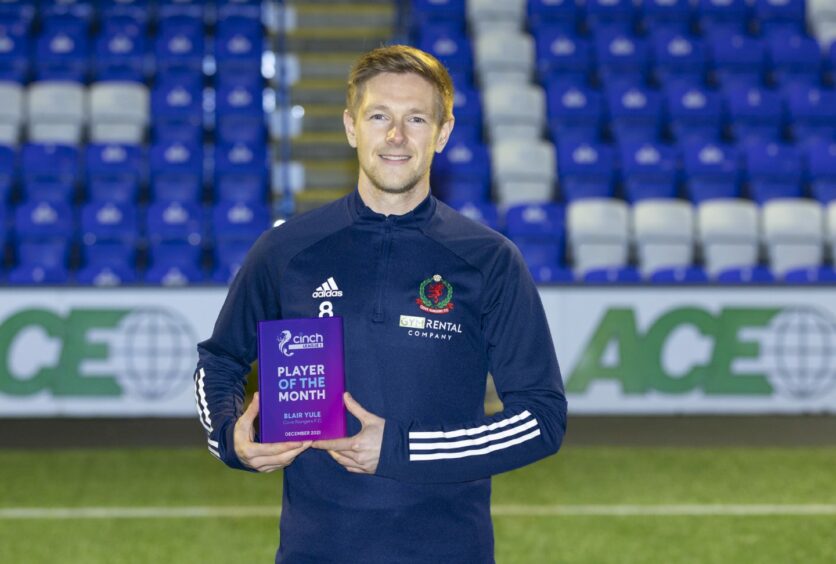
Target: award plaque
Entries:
(301, 379)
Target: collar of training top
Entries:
(418, 216)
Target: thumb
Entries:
(355, 408)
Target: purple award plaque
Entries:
(301, 379)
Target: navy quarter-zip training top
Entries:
(431, 302)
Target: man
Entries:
(431, 302)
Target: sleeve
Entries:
(524, 366)
(224, 359)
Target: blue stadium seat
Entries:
(552, 274)
(794, 57)
(109, 222)
(447, 13)
(176, 171)
(672, 15)
(8, 172)
(755, 113)
(180, 45)
(695, 113)
(679, 275)
(556, 14)
(229, 256)
(773, 171)
(812, 113)
(193, 9)
(539, 232)
(678, 58)
(241, 172)
(613, 275)
(737, 58)
(559, 53)
(821, 169)
(240, 114)
(107, 264)
(174, 264)
(649, 170)
(239, 221)
(462, 172)
(15, 63)
(812, 275)
(63, 51)
(50, 171)
(451, 47)
(711, 169)
(250, 9)
(746, 275)
(41, 262)
(613, 15)
(177, 109)
(467, 107)
(574, 112)
(22, 10)
(121, 53)
(585, 170)
(76, 9)
(635, 113)
(780, 15)
(725, 15)
(175, 222)
(44, 222)
(136, 10)
(114, 172)
(622, 58)
(483, 212)
(239, 43)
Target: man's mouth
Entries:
(395, 158)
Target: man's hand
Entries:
(262, 457)
(360, 453)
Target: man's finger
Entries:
(335, 444)
(355, 408)
(254, 450)
(345, 462)
(252, 410)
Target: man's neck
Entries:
(386, 203)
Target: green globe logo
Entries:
(802, 347)
(155, 351)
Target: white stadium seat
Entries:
(664, 233)
(118, 112)
(793, 229)
(523, 170)
(56, 111)
(728, 233)
(514, 111)
(504, 57)
(489, 15)
(11, 112)
(598, 233)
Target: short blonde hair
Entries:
(401, 59)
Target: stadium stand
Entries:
(598, 233)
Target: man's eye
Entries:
(378, 116)
(419, 120)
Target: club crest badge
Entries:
(435, 295)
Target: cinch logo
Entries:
(328, 289)
(289, 342)
(754, 351)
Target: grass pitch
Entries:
(541, 511)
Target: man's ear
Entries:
(350, 134)
(444, 134)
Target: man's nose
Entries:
(395, 134)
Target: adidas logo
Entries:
(328, 289)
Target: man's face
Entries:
(396, 131)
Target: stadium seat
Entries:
(635, 113)
(724, 15)
(56, 112)
(773, 171)
(794, 57)
(44, 222)
(107, 264)
(487, 16)
(135, 10)
(229, 256)
(670, 15)
(622, 58)
(109, 222)
(114, 172)
(523, 171)
(63, 52)
(711, 169)
(241, 172)
(620, 15)
(755, 114)
(467, 107)
(574, 112)
(538, 230)
(678, 58)
(737, 59)
(503, 57)
(175, 222)
(810, 275)
(450, 46)
(462, 172)
(174, 264)
(41, 262)
(449, 14)
(695, 113)
(177, 109)
(793, 230)
(179, 45)
(728, 231)
(15, 64)
(118, 112)
(745, 275)
(598, 233)
(612, 275)
(238, 47)
(812, 113)
(11, 112)
(821, 169)
(679, 275)
(50, 172)
(482, 212)
(176, 171)
(239, 222)
(551, 274)
(664, 234)
(514, 111)
(648, 170)
(8, 174)
(784, 16)
(169, 9)
(121, 53)
(586, 170)
(561, 53)
(554, 14)
(240, 114)
(250, 9)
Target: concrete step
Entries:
(327, 65)
(331, 173)
(323, 118)
(344, 15)
(318, 92)
(336, 40)
(312, 198)
(322, 145)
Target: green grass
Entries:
(578, 476)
